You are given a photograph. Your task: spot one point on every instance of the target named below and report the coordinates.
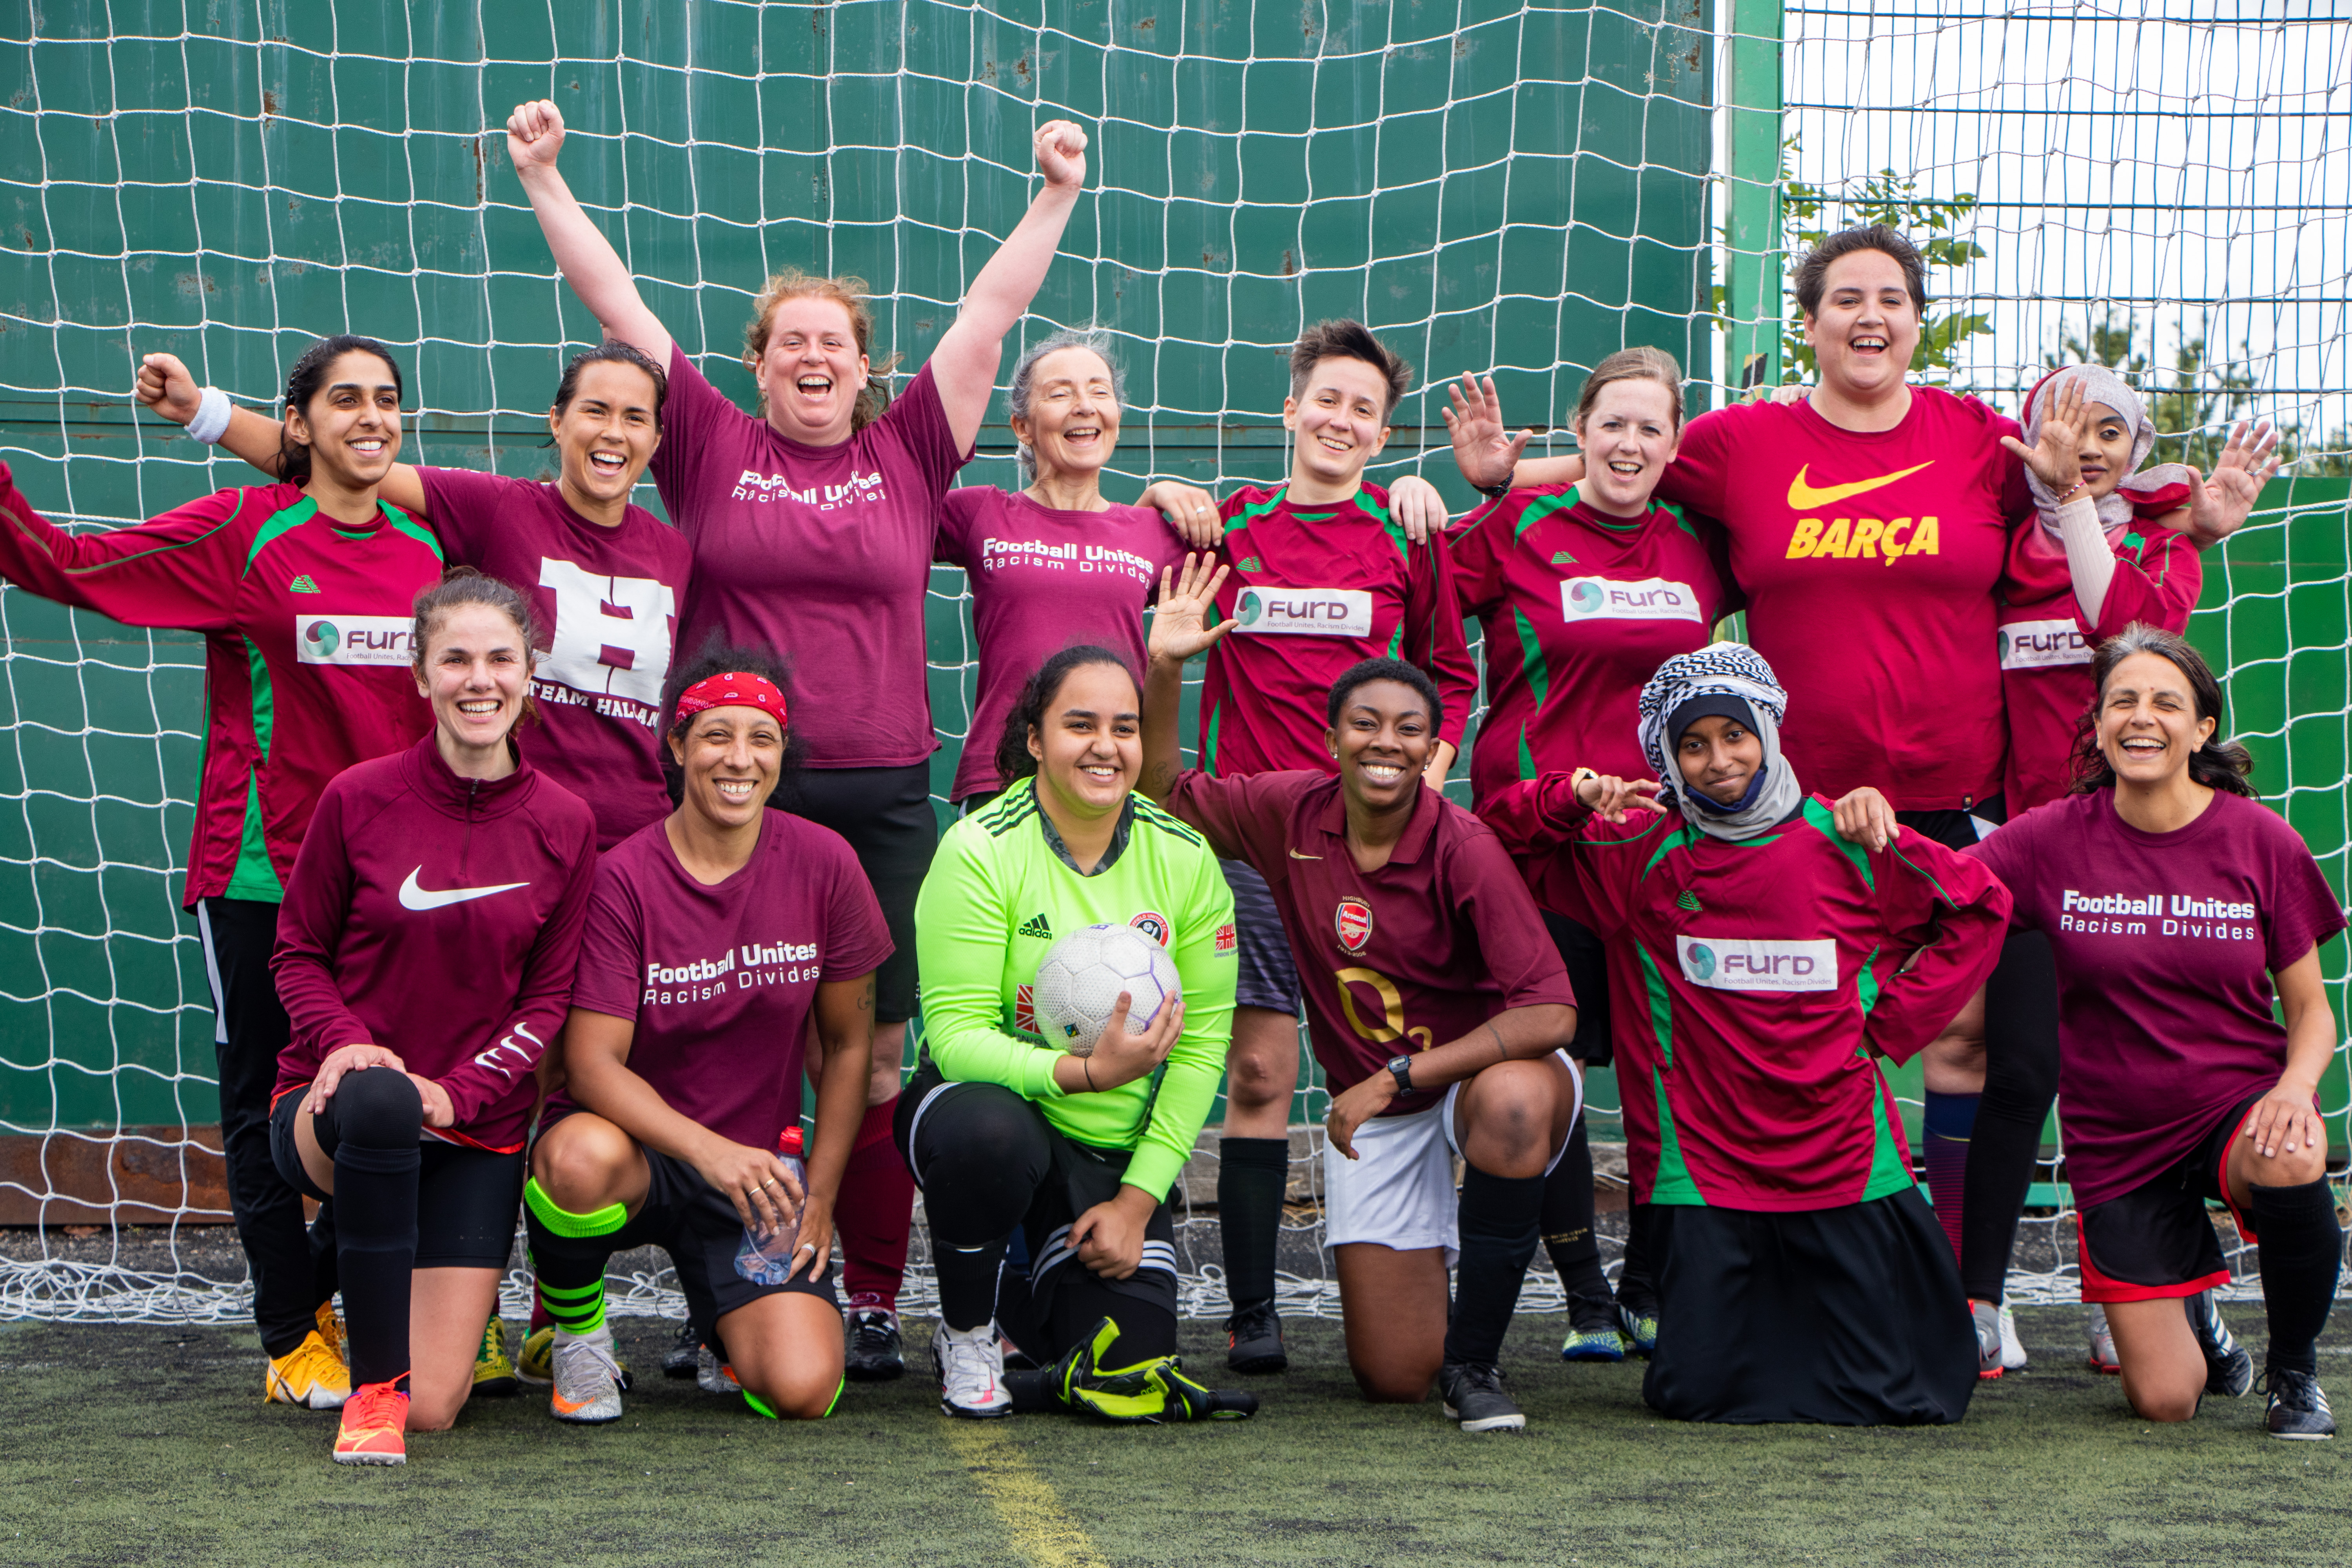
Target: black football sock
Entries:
(1634, 1286)
(568, 1251)
(967, 1280)
(1251, 1176)
(1567, 1233)
(2302, 1245)
(2021, 1084)
(1499, 1222)
(377, 1118)
(1946, 1123)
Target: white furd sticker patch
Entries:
(351, 639)
(1305, 611)
(1650, 599)
(2042, 645)
(1758, 963)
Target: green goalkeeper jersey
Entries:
(1001, 891)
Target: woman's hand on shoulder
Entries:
(1188, 603)
(1866, 817)
(1191, 511)
(1419, 510)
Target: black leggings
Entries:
(989, 1162)
(2021, 1084)
(886, 814)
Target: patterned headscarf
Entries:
(2101, 384)
(1721, 669)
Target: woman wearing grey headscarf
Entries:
(1764, 947)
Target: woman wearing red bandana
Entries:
(713, 937)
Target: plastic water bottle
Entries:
(765, 1257)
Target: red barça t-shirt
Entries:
(2046, 645)
(1316, 590)
(1043, 579)
(2166, 946)
(1869, 560)
(720, 981)
(1415, 954)
(606, 600)
(1579, 609)
(823, 551)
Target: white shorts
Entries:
(1398, 1190)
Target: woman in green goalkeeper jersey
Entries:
(1003, 1130)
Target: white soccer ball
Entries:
(1079, 981)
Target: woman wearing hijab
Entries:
(1764, 945)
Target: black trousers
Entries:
(293, 1267)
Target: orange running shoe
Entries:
(375, 1426)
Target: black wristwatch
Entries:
(1401, 1069)
(1494, 492)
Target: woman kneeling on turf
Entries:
(1436, 1004)
(425, 955)
(1002, 1128)
(713, 937)
(1763, 946)
(2179, 909)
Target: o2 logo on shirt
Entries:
(1758, 963)
(1351, 922)
(1649, 599)
(1154, 925)
(1305, 611)
(372, 640)
(2043, 645)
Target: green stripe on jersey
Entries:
(254, 877)
(1531, 658)
(1818, 817)
(1543, 507)
(1674, 1185)
(278, 525)
(1243, 518)
(413, 529)
(118, 561)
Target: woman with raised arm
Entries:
(1775, 945)
(604, 578)
(1008, 1131)
(812, 524)
(304, 593)
(1436, 1006)
(2186, 923)
(1583, 589)
(720, 941)
(425, 955)
(1054, 564)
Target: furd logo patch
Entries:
(2042, 645)
(352, 639)
(1650, 599)
(1758, 963)
(1305, 611)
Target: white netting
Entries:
(1525, 187)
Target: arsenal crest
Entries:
(1154, 926)
(1352, 922)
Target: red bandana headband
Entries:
(733, 689)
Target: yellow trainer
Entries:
(374, 1429)
(330, 1329)
(493, 1370)
(309, 1375)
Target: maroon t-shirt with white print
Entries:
(606, 600)
(823, 552)
(2166, 946)
(720, 981)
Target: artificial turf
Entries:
(146, 1444)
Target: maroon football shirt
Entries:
(1415, 954)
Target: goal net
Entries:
(1516, 187)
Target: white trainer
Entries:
(713, 1375)
(971, 1367)
(2012, 1349)
(2104, 1359)
(587, 1378)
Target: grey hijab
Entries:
(1730, 670)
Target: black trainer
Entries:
(1254, 1340)
(2298, 1407)
(875, 1353)
(2228, 1370)
(1474, 1396)
(683, 1358)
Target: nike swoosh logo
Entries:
(1802, 497)
(412, 897)
(1295, 855)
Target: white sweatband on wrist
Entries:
(211, 422)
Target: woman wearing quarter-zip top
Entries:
(302, 591)
(425, 956)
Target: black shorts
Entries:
(886, 815)
(468, 1200)
(2156, 1240)
(1849, 1316)
(1588, 976)
(1266, 977)
(1957, 829)
(1078, 1177)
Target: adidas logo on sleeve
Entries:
(1038, 926)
